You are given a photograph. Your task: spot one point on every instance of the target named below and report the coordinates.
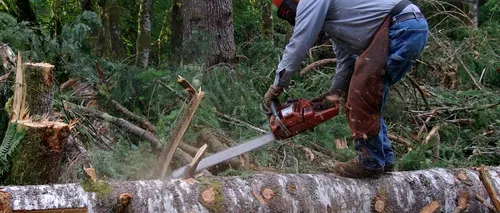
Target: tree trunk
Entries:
(117, 44)
(210, 22)
(104, 45)
(40, 91)
(38, 156)
(266, 20)
(176, 32)
(143, 44)
(86, 5)
(474, 12)
(25, 12)
(398, 192)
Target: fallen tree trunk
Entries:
(397, 192)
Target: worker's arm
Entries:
(345, 68)
(311, 15)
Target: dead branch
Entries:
(191, 168)
(462, 201)
(188, 148)
(422, 93)
(485, 178)
(177, 95)
(68, 83)
(238, 122)
(134, 116)
(470, 74)
(120, 122)
(317, 64)
(168, 151)
(4, 78)
(461, 121)
(432, 133)
(485, 203)
(399, 139)
(424, 126)
(436, 148)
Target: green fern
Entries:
(10, 142)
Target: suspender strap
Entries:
(399, 7)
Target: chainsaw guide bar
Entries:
(229, 153)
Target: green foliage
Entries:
(10, 142)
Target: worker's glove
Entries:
(271, 95)
(328, 99)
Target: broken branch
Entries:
(168, 151)
(485, 178)
(317, 64)
(191, 168)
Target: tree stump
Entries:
(40, 91)
(38, 157)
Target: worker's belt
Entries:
(406, 16)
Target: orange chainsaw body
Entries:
(296, 116)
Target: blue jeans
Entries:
(406, 42)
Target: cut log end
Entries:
(5, 202)
(54, 134)
(208, 196)
(47, 71)
(267, 193)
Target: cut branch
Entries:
(317, 64)
(281, 193)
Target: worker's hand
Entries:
(329, 99)
(272, 94)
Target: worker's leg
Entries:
(376, 151)
(390, 160)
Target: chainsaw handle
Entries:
(274, 110)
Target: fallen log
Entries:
(402, 192)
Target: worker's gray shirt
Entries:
(351, 24)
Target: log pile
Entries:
(444, 190)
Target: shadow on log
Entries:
(402, 192)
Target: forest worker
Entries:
(375, 42)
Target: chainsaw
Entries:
(287, 120)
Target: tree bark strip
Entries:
(405, 191)
(143, 44)
(208, 24)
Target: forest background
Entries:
(122, 59)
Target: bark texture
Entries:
(117, 44)
(176, 30)
(38, 158)
(209, 24)
(143, 44)
(402, 192)
(266, 20)
(40, 92)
